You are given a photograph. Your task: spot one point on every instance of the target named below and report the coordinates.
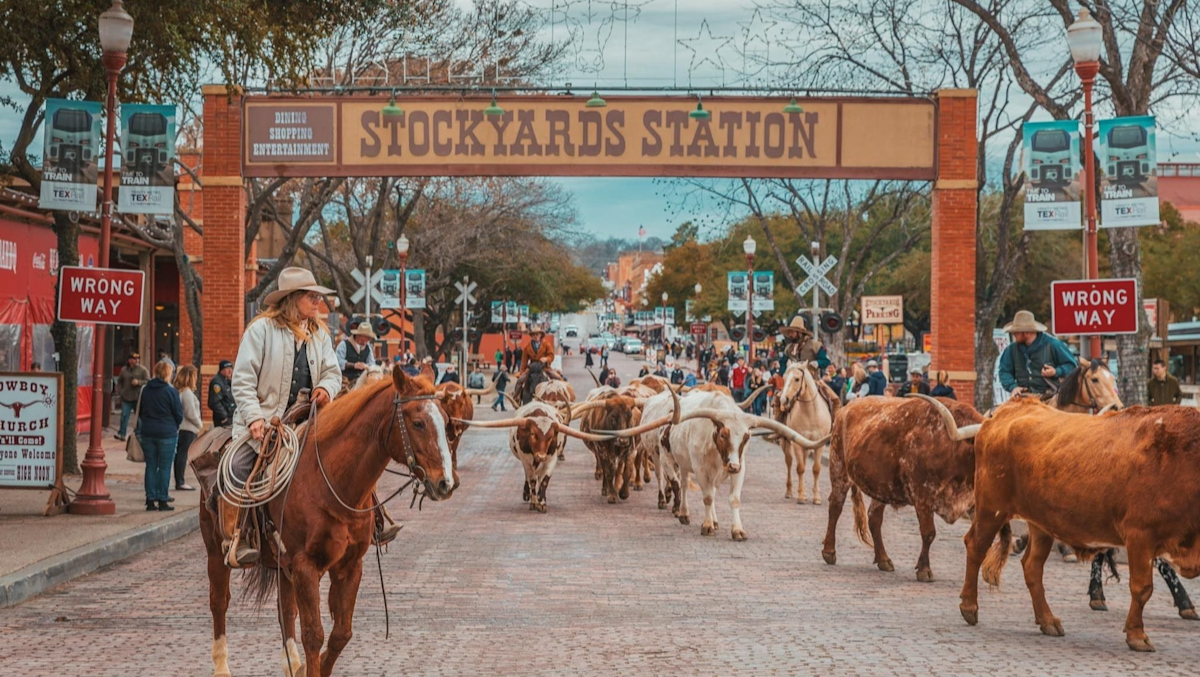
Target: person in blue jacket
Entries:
(1035, 359)
(876, 381)
(159, 412)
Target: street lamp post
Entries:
(749, 246)
(1085, 39)
(116, 31)
(698, 340)
(664, 319)
(402, 250)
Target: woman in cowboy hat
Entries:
(1034, 358)
(285, 350)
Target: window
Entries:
(1051, 141)
(147, 124)
(70, 120)
(1127, 136)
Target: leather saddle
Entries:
(205, 453)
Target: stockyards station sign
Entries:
(558, 136)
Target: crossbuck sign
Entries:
(816, 274)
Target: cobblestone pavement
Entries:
(481, 585)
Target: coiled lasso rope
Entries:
(280, 453)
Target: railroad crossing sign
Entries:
(816, 274)
(361, 279)
(465, 292)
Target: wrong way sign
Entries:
(1094, 307)
(100, 295)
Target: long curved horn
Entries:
(956, 433)
(793, 436)
(516, 404)
(638, 430)
(589, 437)
(1107, 408)
(584, 407)
(750, 400)
(675, 406)
(481, 392)
(505, 423)
(589, 371)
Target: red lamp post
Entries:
(698, 339)
(749, 246)
(116, 31)
(1085, 38)
(402, 250)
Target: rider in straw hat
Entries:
(354, 354)
(1034, 359)
(801, 344)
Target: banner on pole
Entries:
(1129, 172)
(147, 159)
(1051, 152)
(414, 292)
(389, 289)
(736, 286)
(764, 290)
(670, 319)
(497, 312)
(70, 158)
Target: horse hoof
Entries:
(683, 519)
(541, 508)
(816, 500)
(739, 535)
(1189, 614)
(1070, 558)
(1142, 644)
(706, 530)
(886, 565)
(971, 616)
(612, 499)
(1099, 605)
(924, 575)
(1052, 629)
(829, 557)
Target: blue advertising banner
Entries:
(1051, 152)
(147, 159)
(71, 155)
(1128, 172)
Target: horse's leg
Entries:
(293, 665)
(928, 533)
(306, 581)
(1096, 583)
(1034, 562)
(218, 593)
(787, 459)
(817, 474)
(343, 593)
(801, 462)
(875, 524)
(1179, 594)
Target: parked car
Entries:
(632, 346)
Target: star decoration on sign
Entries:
(756, 43)
(705, 49)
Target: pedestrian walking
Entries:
(587, 358)
(185, 385)
(943, 389)
(677, 375)
(1163, 388)
(604, 356)
(160, 413)
(164, 356)
(1035, 359)
(501, 379)
(499, 357)
(130, 381)
(220, 395)
(604, 372)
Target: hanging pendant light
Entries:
(699, 113)
(392, 110)
(596, 101)
(493, 109)
(793, 107)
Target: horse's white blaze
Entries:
(439, 424)
(220, 657)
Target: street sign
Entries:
(699, 328)
(816, 275)
(514, 335)
(361, 279)
(100, 295)
(1094, 307)
(464, 292)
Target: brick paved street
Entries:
(481, 585)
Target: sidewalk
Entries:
(42, 552)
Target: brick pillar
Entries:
(191, 201)
(954, 213)
(222, 303)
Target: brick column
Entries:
(222, 303)
(192, 203)
(954, 213)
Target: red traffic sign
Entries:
(514, 335)
(1094, 307)
(699, 328)
(100, 295)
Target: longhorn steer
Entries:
(556, 392)
(896, 451)
(1122, 479)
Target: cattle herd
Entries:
(1076, 468)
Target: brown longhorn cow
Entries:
(1122, 479)
(895, 451)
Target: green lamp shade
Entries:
(700, 113)
(793, 107)
(493, 110)
(392, 110)
(596, 101)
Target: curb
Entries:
(39, 577)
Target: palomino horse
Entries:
(1092, 388)
(803, 409)
(324, 519)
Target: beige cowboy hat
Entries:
(364, 329)
(294, 279)
(537, 330)
(1024, 321)
(796, 326)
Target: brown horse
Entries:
(345, 451)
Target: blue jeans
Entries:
(160, 455)
(126, 410)
(499, 401)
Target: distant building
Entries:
(630, 272)
(1179, 184)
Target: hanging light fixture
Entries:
(699, 113)
(493, 109)
(596, 101)
(793, 107)
(392, 110)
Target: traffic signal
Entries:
(831, 322)
(456, 335)
(759, 335)
(381, 326)
(737, 334)
(473, 335)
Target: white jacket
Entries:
(262, 373)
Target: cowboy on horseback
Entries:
(1035, 360)
(536, 357)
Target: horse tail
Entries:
(259, 582)
(997, 557)
(860, 516)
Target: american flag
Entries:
(641, 231)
